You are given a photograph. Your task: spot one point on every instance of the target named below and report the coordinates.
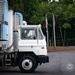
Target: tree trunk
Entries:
(61, 36)
(64, 36)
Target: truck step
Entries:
(7, 60)
(7, 64)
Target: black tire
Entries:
(27, 64)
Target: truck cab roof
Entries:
(31, 26)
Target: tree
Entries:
(65, 26)
(16, 5)
(42, 1)
(34, 12)
(30, 9)
(27, 8)
(66, 1)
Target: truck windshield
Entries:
(27, 33)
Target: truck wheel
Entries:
(27, 64)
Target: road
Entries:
(60, 63)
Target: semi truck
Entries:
(21, 45)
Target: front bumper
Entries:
(42, 59)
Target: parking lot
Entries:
(60, 63)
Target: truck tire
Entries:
(27, 64)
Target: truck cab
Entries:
(31, 39)
(32, 43)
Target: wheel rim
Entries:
(27, 64)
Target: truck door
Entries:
(28, 40)
(41, 42)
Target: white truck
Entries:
(20, 45)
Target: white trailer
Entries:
(25, 47)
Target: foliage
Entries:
(34, 12)
(66, 25)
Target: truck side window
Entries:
(40, 36)
(28, 33)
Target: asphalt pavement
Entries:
(60, 63)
